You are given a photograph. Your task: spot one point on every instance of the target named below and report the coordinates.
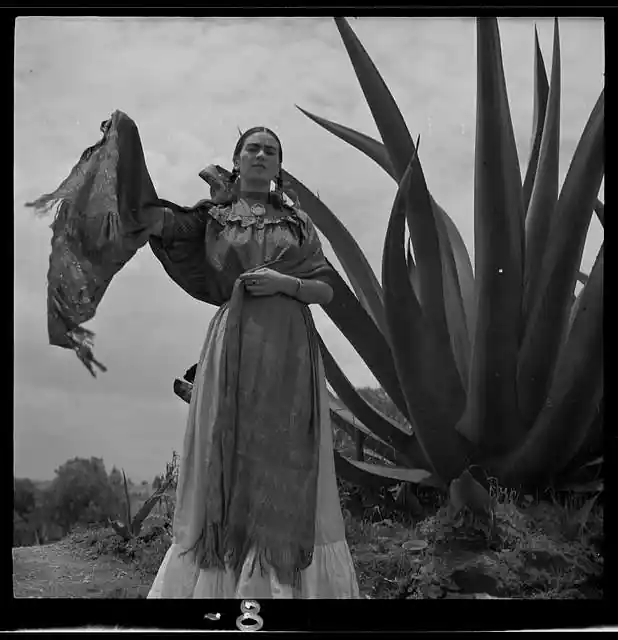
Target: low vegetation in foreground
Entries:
(548, 548)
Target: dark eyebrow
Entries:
(257, 144)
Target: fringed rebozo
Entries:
(249, 505)
(101, 220)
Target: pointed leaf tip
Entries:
(499, 242)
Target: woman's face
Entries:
(259, 158)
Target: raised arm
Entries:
(172, 222)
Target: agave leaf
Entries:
(127, 497)
(349, 254)
(548, 318)
(573, 313)
(146, 508)
(345, 420)
(458, 291)
(594, 486)
(377, 152)
(400, 148)
(368, 145)
(434, 400)
(376, 422)
(456, 320)
(356, 324)
(362, 278)
(457, 270)
(120, 528)
(599, 209)
(545, 190)
(374, 475)
(541, 92)
(423, 228)
(413, 273)
(354, 428)
(461, 257)
(575, 393)
(499, 235)
(385, 112)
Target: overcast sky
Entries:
(189, 83)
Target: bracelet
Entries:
(299, 284)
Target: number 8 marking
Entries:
(250, 610)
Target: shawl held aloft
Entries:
(100, 223)
(105, 211)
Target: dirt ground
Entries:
(60, 571)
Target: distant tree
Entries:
(24, 496)
(33, 514)
(24, 507)
(81, 493)
(115, 477)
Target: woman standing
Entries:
(257, 511)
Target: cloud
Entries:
(189, 83)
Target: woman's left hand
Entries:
(265, 282)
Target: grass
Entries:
(536, 549)
(533, 551)
(145, 552)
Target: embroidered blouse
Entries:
(206, 248)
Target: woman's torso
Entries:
(238, 240)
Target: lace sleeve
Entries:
(181, 223)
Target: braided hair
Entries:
(276, 197)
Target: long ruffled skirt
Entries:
(330, 575)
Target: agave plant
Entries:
(131, 527)
(500, 366)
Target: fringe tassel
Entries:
(80, 234)
(75, 180)
(287, 561)
(207, 550)
(82, 342)
(65, 333)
